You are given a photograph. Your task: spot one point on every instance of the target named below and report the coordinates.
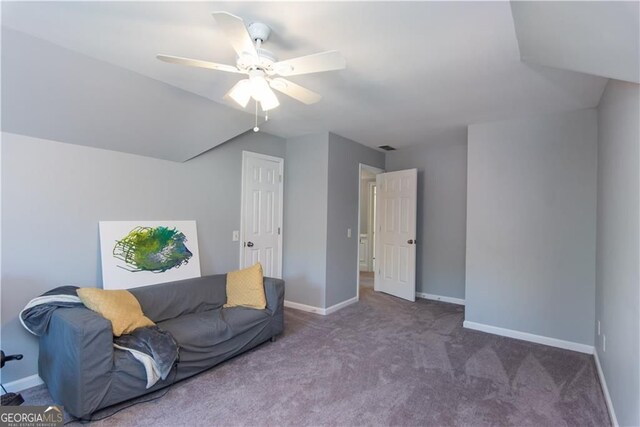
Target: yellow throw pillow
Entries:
(245, 288)
(120, 307)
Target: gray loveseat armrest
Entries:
(274, 291)
(76, 359)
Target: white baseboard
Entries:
(340, 305)
(23, 383)
(318, 310)
(303, 307)
(450, 300)
(525, 336)
(605, 390)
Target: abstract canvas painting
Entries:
(139, 253)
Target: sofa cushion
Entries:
(241, 319)
(201, 330)
(246, 288)
(118, 306)
(208, 328)
(173, 299)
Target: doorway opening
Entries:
(366, 226)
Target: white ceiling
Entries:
(415, 69)
(599, 38)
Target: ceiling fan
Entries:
(264, 70)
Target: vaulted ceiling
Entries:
(414, 69)
(600, 38)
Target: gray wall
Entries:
(345, 157)
(442, 211)
(53, 93)
(305, 219)
(54, 194)
(617, 271)
(321, 202)
(531, 221)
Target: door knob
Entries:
(250, 244)
(410, 242)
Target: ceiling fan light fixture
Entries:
(270, 101)
(259, 85)
(261, 92)
(278, 84)
(283, 69)
(241, 92)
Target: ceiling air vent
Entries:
(387, 148)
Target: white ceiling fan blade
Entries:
(318, 62)
(235, 30)
(198, 63)
(240, 92)
(295, 91)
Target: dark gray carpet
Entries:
(382, 361)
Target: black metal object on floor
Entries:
(10, 399)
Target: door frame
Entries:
(250, 154)
(375, 170)
(371, 229)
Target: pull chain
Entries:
(256, 129)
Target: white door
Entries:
(396, 194)
(261, 222)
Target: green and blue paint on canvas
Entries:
(154, 249)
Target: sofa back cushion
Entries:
(172, 299)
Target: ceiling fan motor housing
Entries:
(259, 31)
(264, 61)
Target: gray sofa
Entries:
(85, 373)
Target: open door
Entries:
(396, 238)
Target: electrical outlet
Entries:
(236, 235)
(604, 343)
(598, 327)
(348, 233)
